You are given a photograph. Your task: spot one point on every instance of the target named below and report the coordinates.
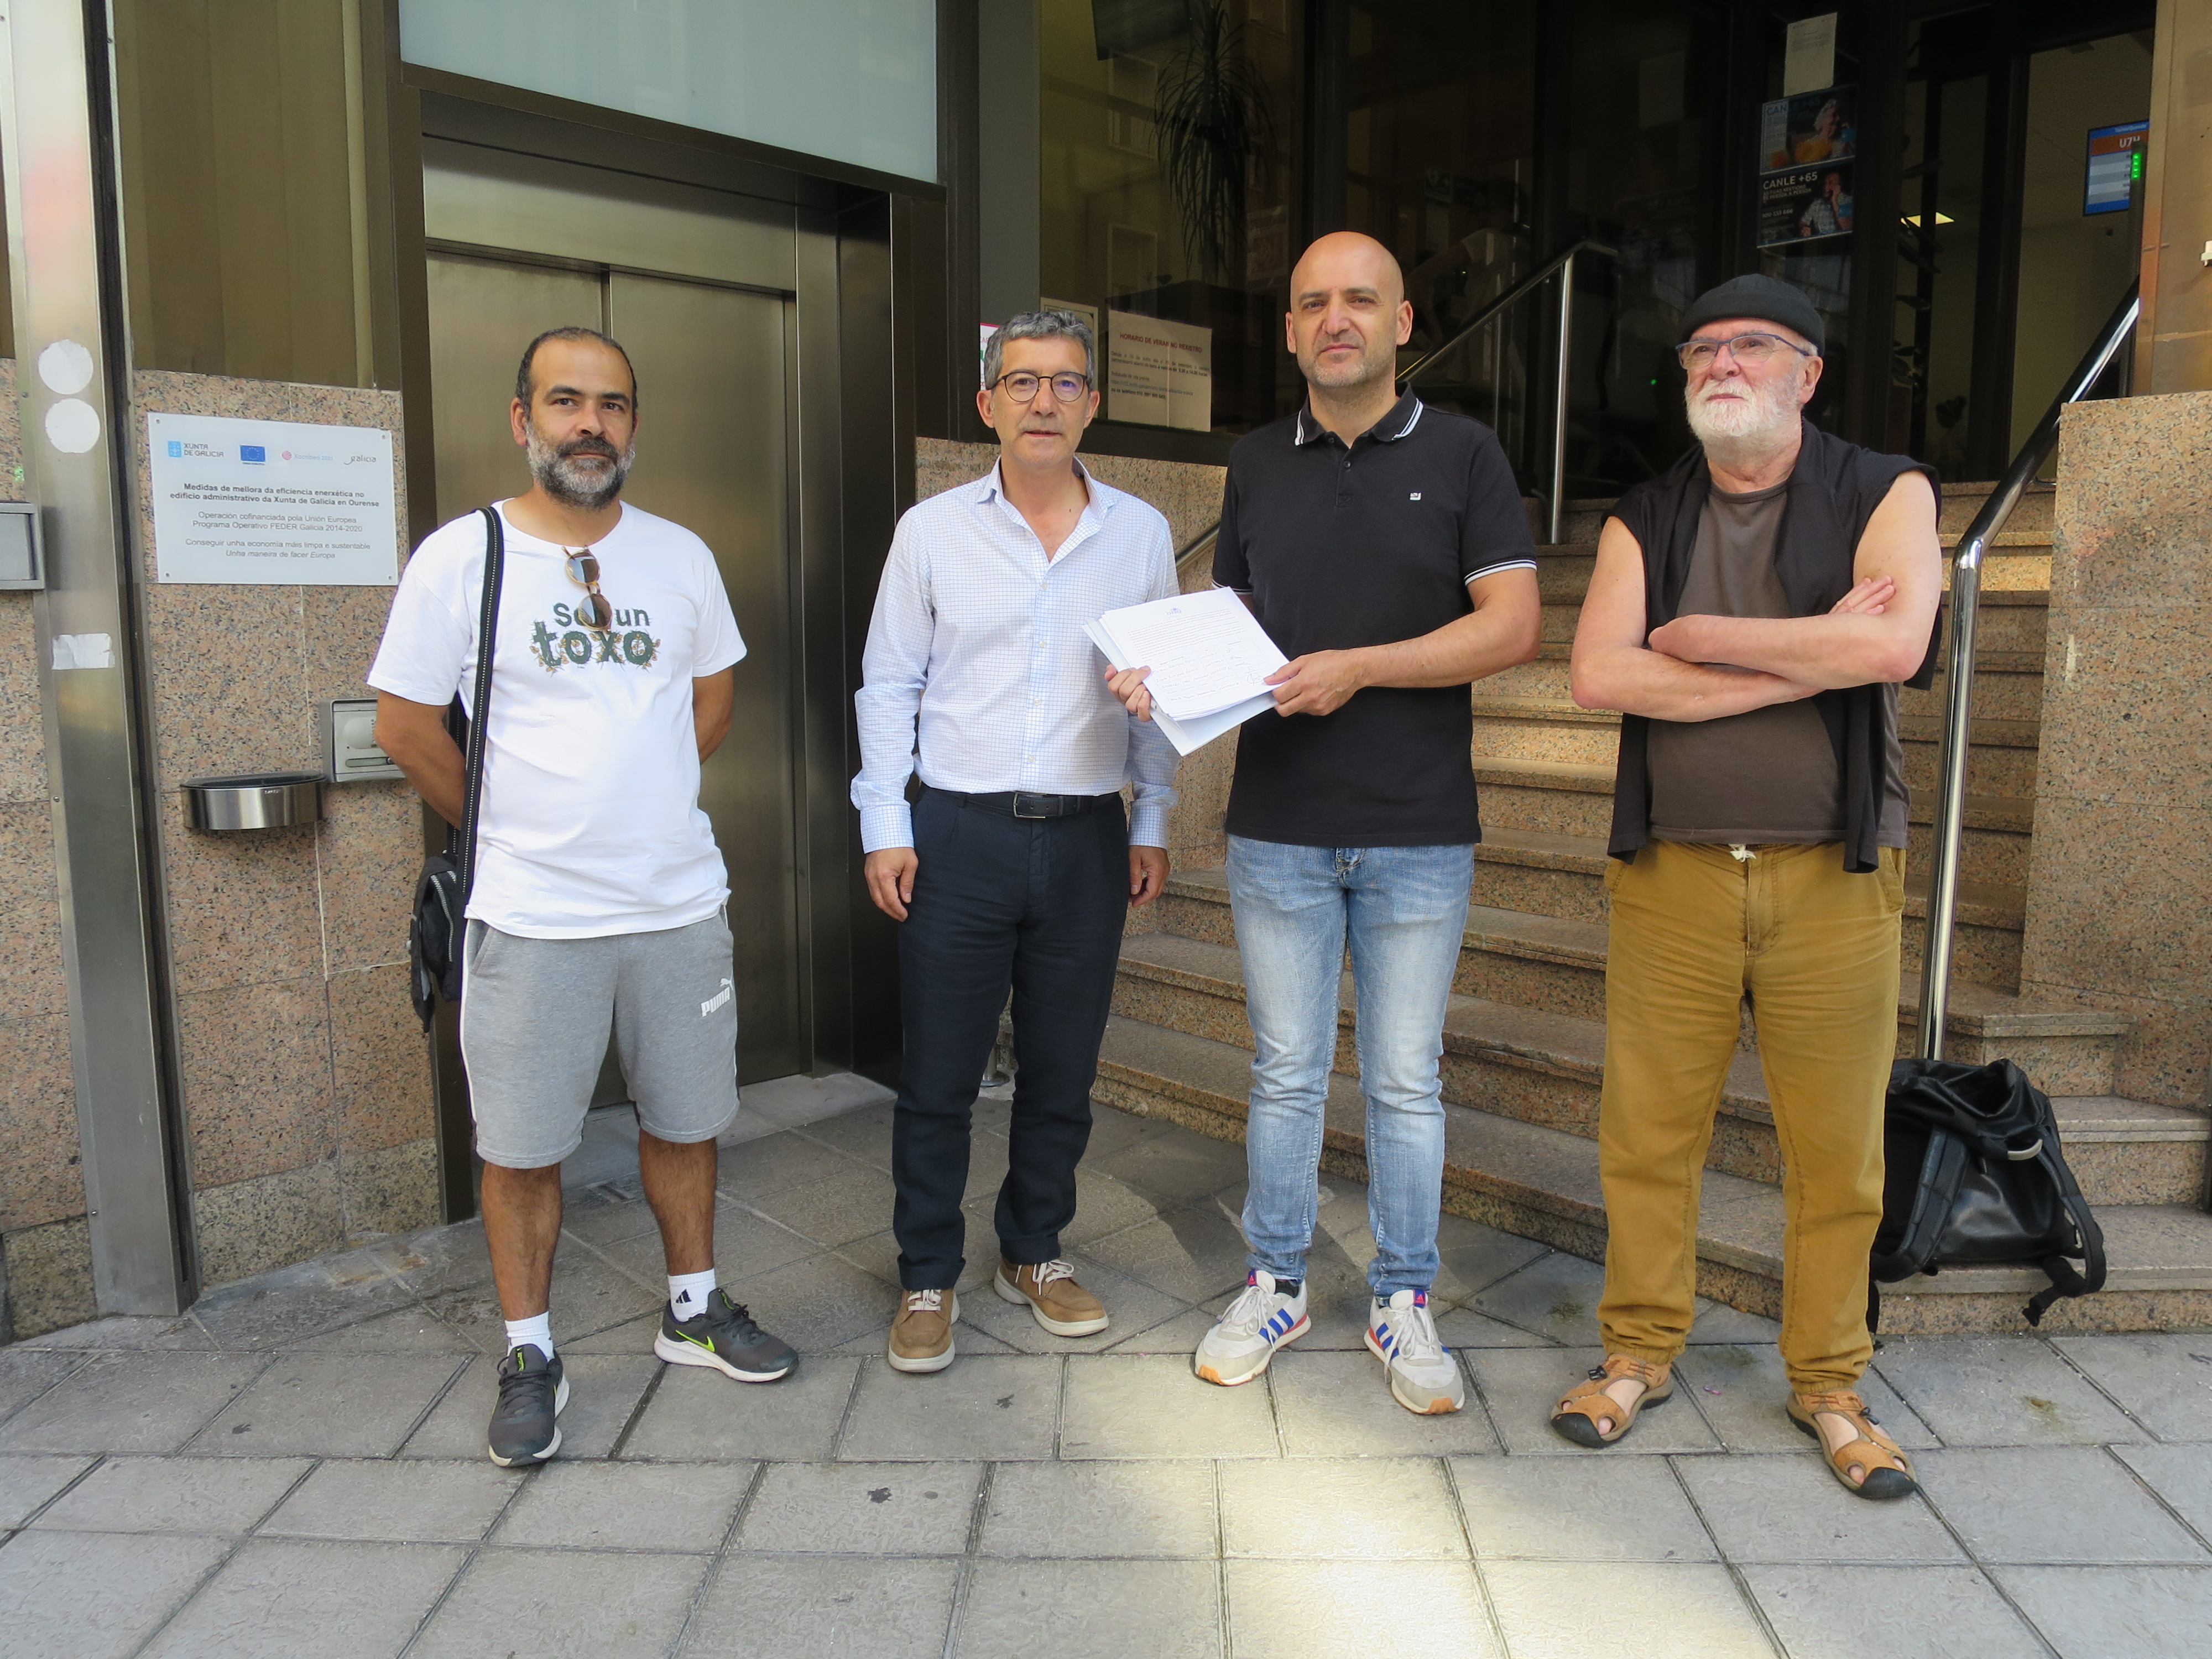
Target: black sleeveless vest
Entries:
(1834, 493)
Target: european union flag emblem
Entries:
(176, 449)
(251, 453)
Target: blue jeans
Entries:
(1405, 909)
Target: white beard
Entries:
(1739, 433)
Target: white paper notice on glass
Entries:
(284, 501)
(1159, 373)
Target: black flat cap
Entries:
(1767, 298)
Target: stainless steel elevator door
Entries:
(713, 455)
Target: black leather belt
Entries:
(1020, 804)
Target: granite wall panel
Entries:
(42, 1234)
(368, 852)
(2118, 885)
(299, 1055)
(31, 977)
(41, 1180)
(256, 1063)
(243, 908)
(22, 713)
(270, 1221)
(379, 1065)
(49, 1278)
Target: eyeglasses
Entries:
(595, 611)
(1022, 386)
(1751, 349)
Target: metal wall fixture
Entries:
(64, 264)
(22, 547)
(261, 800)
(350, 752)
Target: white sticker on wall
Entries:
(84, 651)
(66, 368)
(72, 426)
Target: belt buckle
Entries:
(1021, 795)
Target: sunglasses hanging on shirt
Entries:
(584, 571)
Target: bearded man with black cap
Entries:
(1751, 616)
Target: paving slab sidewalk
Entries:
(294, 1467)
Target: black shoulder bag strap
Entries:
(480, 702)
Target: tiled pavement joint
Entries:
(721, 1562)
(637, 1414)
(229, 1555)
(469, 1560)
(1735, 1569)
(1107, 1495)
(979, 1512)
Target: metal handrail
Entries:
(1561, 261)
(1965, 606)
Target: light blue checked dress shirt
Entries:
(977, 645)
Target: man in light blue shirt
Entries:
(1014, 869)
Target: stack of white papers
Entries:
(1210, 661)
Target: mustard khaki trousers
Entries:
(1696, 931)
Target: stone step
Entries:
(2007, 684)
(1534, 973)
(2011, 629)
(1542, 1182)
(2036, 510)
(1574, 798)
(1564, 876)
(1556, 963)
(1544, 1067)
(2017, 562)
(2000, 758)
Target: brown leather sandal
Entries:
(1582, 1408)
(1884, 1471)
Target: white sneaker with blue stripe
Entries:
(1424, 1375)
(1242, 1342)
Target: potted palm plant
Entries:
(1213, 119)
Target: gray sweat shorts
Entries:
(535, 1014)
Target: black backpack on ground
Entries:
(1975, 1178)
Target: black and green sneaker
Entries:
(525, 1425)
(725, 1338)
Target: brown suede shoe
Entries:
(921, 1335)
(1058, 1303)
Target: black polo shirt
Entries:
(1338, 547)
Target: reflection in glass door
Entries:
(2007, 267)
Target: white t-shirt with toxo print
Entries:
(590, 823)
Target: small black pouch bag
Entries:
(1975, 1178)
(435, 936)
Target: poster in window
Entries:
(1811, 128)
(1804, 204)
(1158, 372)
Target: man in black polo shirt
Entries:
(1383, 545)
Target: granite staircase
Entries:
(1524, 1036)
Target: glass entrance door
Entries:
(2011, 257)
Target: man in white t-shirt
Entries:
(599, 895)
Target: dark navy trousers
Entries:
(1034, 905)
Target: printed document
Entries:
(1206, 651)
(1189, 737)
